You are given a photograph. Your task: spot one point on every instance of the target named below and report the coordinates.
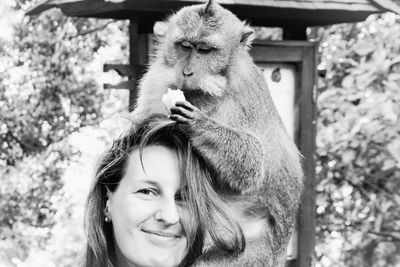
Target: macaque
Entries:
(232, 124)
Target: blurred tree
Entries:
(358, 144)
(46, 93)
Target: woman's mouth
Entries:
(165, 234)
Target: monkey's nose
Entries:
(187, 72)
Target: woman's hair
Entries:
(206, 208)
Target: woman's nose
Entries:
(167, 212)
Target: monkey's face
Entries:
(198, 45)
(200, 67)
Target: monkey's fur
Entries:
(232, 124)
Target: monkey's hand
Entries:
(186, 113)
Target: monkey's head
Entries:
(198, 44)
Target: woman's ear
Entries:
(109, 193)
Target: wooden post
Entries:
(306, 218)
(306, 139)
(138, 58)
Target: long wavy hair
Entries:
(207, 214)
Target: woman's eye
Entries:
(147, 192)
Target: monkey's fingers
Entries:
(182, 112)
(185, 105)
(179, 118)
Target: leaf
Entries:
(395, 61)
(388, 111)
(348, 82)
(394, 149)
(397, 199)
(348, 156)
(388, 164)
(363, 48)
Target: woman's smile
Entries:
(163, 234)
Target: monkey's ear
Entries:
(247, 36)
(160, 28)
(209, 7)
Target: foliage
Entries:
(358, 144)
(47, 93)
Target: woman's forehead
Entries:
(157, 165)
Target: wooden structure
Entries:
(293, 16)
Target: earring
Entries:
(106, 215)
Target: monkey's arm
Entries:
(236, 156)
(152, 88)
(257, 254)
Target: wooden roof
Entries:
(279, 13)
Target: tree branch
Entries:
(93, 30)
(392, 236)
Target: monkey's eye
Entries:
(204, 49)
(186, 45)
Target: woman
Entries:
(151, 202)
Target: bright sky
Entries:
(7, 18)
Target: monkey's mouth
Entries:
(187, 90)
(187, 87)
(192, 93)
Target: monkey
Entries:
(232, 124)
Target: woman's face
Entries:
(146, 208)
